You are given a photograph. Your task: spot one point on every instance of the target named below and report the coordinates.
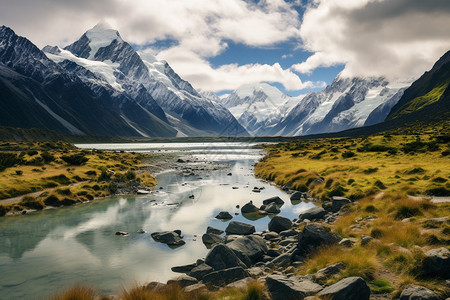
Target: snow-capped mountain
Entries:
(37, 92)
(259, 107)
(153, 84)
(346, 103)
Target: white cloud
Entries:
(199, 71)
(395, 38)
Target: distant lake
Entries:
(47, 251)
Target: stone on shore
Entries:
(279, 224)
(200, 271)
(224, 215)
(281, 287)
(211, 238)
(417, 292)
(313, 214)
(437, 263)
(296, 196)
(314, 236)
(338, 202)
(239, 228)
(222, 257)
(183, 281)
(249, 249)
(223, 277)
(183, 269)
(350, 288)
(214, 230)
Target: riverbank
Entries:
(36, 175)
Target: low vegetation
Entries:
(58, 173)
(390, 178)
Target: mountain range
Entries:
(100, 85)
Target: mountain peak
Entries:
(101, 35)
(248, 90)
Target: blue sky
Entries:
(219, 45)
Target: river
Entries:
(44, 252)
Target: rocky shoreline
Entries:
(271, 257)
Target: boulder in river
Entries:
(224, 215)
(277, 200)
(296, 196)
(239, 228)
(249, 208)
(184, 268)
(222, 257)
(413, 292)
(122, 233)
(214, 230)
(281, 287)
(313, 213)
(279, 224)
(350, 288)
(168, 237)
(272, 208)
(313, 236)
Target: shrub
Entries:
(130, 175)
(104, 176)
(19, 172)
(370, 170)
(376, 233)
(379, 184)
(381, 286)
(75, 159)
(32, 152)
(47, 157)
(348, 154)
(91, 173)
(112, 187)
(255, 291)
(438, 191)
(370, 208)
(8, 160)
(31, 202)
(407, 212)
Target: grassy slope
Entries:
(380, 182)
(60, 179)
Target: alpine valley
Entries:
(101, 86)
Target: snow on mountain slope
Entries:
(259, 107)
(344, 104)
(150, 82)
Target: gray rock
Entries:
(200, 271)
(313, 213)
(287, 242)
(168, 237)
(240, 284)
(437, 263)
(347, 243)
(214, 230)
(223, 277)
(350, 288)
(211, 238)
(272, 208)
(249, 208)
(277, 200)
(250, 249)
(288, 233)
(194, 288)
(256, 272)
(230, 238)
(155, 286)
(324, 274)
(296, 196)
(239, 228)
(270, 235)
(184, 268)
(416, 292)
(224, 215)
(279, 224)
(365, 240)
(183, 281)
(273, 253)
(314, 236)
(222, 257)
(122, 233)
(281, 287)
(283, 260)
(437, 221)
(338, 202)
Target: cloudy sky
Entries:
(218, 45)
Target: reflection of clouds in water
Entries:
(303, 206)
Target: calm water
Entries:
(44, 252)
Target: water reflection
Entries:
(60, 247)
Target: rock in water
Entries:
(224, 215)
(272, 208)
(122, 233)
(283, 288)
(249, 208)
(168, 237)
(350, 288)
(279, 224)
(211, 238)
(239, 228)
(277, 200)
(296, 196)
(214, 230)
